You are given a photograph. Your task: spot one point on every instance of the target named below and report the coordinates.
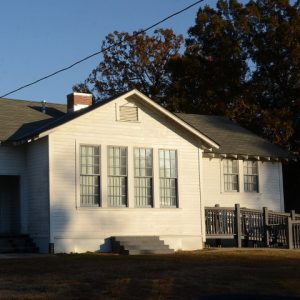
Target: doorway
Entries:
(9, 205)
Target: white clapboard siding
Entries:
(38, 192)
(75, 228)
(270, 187)
(12, 160)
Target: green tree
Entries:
(210, 76)
(243, 61)
(274, 48)
(133, 61)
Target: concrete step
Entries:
(17, 244)
(18, 250)
(134, 245)
(148, 252)
(6, 249)
(4, 243)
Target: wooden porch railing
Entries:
(266, 227)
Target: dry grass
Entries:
(180, 276)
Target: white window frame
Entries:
(82, 175)
(115, 176)
(137, 189)
(237, 174)
(170, 178)
(253, 175)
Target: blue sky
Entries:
(40, 37)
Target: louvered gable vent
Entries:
(128, 113)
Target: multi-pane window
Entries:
(231, 175)
(250, 176)
(89, 175)
(117, 176)
(168, 178)
(143, 177)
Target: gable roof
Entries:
(25, 120)
(232, 138)
(52, 122)
(20, 117)
(47, 124)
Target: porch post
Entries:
(293, 215)
(266, 227)
(290, 234)
(238, 226)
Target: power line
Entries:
(101, 51)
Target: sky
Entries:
(39, 37)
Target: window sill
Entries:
(97, 208)
(170, 207)
(240, 192)
(123, 121)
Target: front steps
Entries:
(139, 245)
(17, 244)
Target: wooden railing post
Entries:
(293, 215)
(290, 234)
(266, 227)
(238, 226)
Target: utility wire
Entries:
(101, 51)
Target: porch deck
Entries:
(246, 227)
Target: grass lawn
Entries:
(179, 276)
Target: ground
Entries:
(206, 274)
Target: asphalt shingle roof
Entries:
(21, 119)
(232, 138)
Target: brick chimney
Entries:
(77, 101)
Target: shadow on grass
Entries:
(244, 297)
(207, 275)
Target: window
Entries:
(117, 176)
(89, 175)
(143, 177)
(251, 176)
(168, 178)
(231, 175)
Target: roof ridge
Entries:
(31, 101)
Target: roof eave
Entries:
(266, 158)
(209, 144)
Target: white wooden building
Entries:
(125, 167)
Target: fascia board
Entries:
(173, 117)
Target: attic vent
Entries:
(128, 113)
